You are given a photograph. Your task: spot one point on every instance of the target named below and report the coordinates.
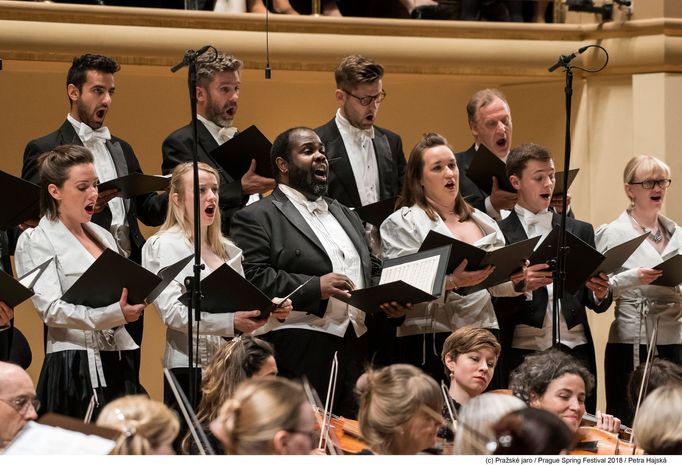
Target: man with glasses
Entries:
(366, 162)
(18, 403)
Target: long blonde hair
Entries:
(259, 409)
(176, 213)
(145, 424)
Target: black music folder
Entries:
(616, 256)
(400, 278)
(672, 272)
(102, 283)
(484, 166)
(21, 201)
(134, 184)
(581, 259)
(167, 276)
(506, 260)
(226, 291)
(15, 291)
(235, 155)
(375, 213)
(559, 180)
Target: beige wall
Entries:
(432, 70)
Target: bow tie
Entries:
(362, 134)
(318, 205)
(540, 223)
(225, 134)
(87, 134)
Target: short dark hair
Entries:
(538, 370)
(661, 372)
(520, 156)
(356, 69)
(206, 71)
(468, 339)
(78, 72)
(531, 431)
(281, 147)
(53, 167)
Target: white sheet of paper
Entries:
(37, 439)
(419, 273)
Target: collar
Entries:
(219, 133)
(544, 216)
(296, 197)
(86, 133)
(346, 128)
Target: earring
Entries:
(632, 203)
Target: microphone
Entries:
(564, 60)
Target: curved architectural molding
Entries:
(56, 32)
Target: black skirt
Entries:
(64, 385)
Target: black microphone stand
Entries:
(559, 281)
(193, 283)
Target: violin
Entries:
(595, 441)
(344, 434)
(625, 432)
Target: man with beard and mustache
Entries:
(297, 233)
(217, 93)
(90, 87)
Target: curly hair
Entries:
(145, 424)
(538, 370)
(233, 363)
(206, 70)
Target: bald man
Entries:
(18, 403)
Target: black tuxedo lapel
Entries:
(339, 164)
(512, 228)
(206, 144)
(67, 135)
(119, 163)
(384, 162)
(284, 205)
(358, 241)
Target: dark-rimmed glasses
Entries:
(20, 404)
(367, 101)
(650, 183)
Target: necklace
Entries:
(656, 237)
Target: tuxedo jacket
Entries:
(149, 208)
(473, 194)
(281, 251)
(388, 148)
(179, 148)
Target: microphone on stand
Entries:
(564, 60)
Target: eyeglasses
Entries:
(650, 183)
(20, 404)
(367, 101)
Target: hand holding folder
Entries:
(411, 279)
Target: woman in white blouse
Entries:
(89, 352)
(173, 242)
(431, 200)
(640, 305)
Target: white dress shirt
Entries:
(363, 160)
(639, 306)
(345, 259)
(402, 234)
(168, 247)
(95, 141)
(69, 326)
(222, 135)
(529, 337)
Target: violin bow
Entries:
(448, 403)
(331, 392)
(314, 402)
(645, 378)
(188, 413)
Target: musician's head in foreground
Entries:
(18, 403)
(147, 426)
(400, 410)
(266, 415)
(658, 427)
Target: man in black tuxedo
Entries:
(6, 313)
(217, 93)
(90, 87)
(294, 234)
(526, 321)
(366, 162)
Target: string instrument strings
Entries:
(314, 402)
(331, 392)
(645, 377)
(195, 429)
